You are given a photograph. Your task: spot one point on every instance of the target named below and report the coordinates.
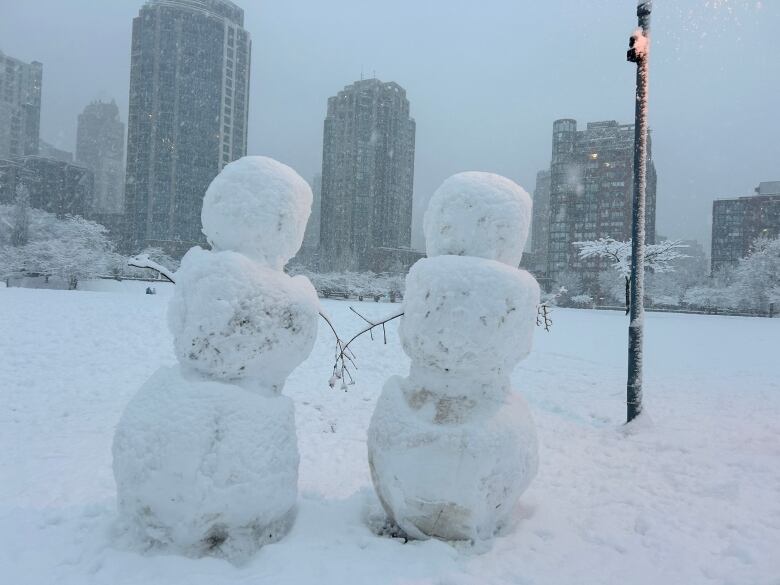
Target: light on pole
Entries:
(639, 53)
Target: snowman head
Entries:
(259, 207)
(478, 214)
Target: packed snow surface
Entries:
(466, 313)
(691, 499)
(204, 467)
(454, 466)
(259, 207)
(478, 214)
(234, 319)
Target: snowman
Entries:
(452, 446)
(205, 454)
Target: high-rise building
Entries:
(591, 191)
(367, 178)
(540, 221)
(737, 222)
(100, 147)
(189, 100)
(20, 106)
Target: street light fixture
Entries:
(639, 53)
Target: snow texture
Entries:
(233, 319)
(478, 214)
(206, 456)
(464, 313)
(451, 448)
(205, 467)
(451, 465)
(692, 500)
(259, 207)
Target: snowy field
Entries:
(692, 498)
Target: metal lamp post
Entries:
(638, 53)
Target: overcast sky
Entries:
(485, 78)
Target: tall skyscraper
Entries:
(20, 106)
(100, 146)
(737, 222)
(540, 222)
(367, 178)
(591, 189)
(189, 100)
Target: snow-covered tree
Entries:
(20, 233)
(658, 257)
(757, 276)
(568, 285)
(71, 248)
(752, 284)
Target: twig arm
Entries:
(143, 261)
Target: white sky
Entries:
(485, 80)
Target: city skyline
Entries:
(479, 113)
(189, 100)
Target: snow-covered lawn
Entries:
(692, 498)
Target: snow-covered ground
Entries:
(692, 498)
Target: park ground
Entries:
(691, 495)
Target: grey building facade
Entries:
(100, 146)
(20, 106)
(737, 222)
(50, 151)
(367, 177)
(53, 185)
(591, 189)
(189, 104)
(540, 223)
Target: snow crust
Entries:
(259, 207)
(478, 214)
(233, 319)
(205, 467)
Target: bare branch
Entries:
(543, 318)
(344, 356)
(143, 261)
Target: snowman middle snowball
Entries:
(451, 447)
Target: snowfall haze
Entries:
(485, 82)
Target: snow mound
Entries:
(451, 468)
(234, 319)
(466, 313)
(259, 207)
(204, 467)
(478, 214)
